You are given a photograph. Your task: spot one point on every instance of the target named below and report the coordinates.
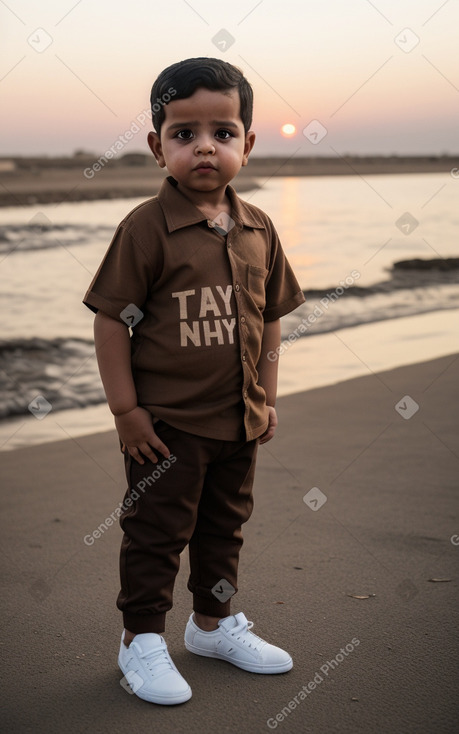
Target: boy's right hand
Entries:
(137, 434)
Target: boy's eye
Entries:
(185, 134)
(223, 134)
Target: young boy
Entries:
(201, 277)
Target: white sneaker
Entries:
(149, 671)
(233, 642)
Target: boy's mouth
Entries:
(204, 167)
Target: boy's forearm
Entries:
(267, 369)
(113, 349)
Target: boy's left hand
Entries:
(270, 431)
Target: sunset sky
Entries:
(379, 77)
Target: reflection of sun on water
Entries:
(288, 130)
(292, 212)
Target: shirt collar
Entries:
(179, 212)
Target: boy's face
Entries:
(203, 143)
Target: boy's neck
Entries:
(210, 203)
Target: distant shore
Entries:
(84, 177)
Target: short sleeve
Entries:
(283, 292)
(124, 277)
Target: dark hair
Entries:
(182, 79)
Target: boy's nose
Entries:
(205, 146)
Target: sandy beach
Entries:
(357, 579)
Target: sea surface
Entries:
(344, 236)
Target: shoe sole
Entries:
(249, 667)
(152, 698)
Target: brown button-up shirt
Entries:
(197, 298)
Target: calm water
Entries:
(332, 228)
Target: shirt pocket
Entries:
(256, 285)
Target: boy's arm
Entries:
(267, 373)
(133, 423)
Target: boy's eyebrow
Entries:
(224, 123)
(182, 124)
(196, 123)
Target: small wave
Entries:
(415, 287)
(44, 234)
(406, 274)
(64, 371)
(330, 312)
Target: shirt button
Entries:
(237, 287)
(242, 319)
(243, 357)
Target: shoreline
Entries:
(312, 362)
(29, 181)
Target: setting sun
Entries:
(288, 130)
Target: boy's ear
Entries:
(154, 141)
(248, 145)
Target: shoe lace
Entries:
(242, 634)
(157, 658)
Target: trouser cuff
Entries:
(211, 607)
(141, 623)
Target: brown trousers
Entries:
(200, 496)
